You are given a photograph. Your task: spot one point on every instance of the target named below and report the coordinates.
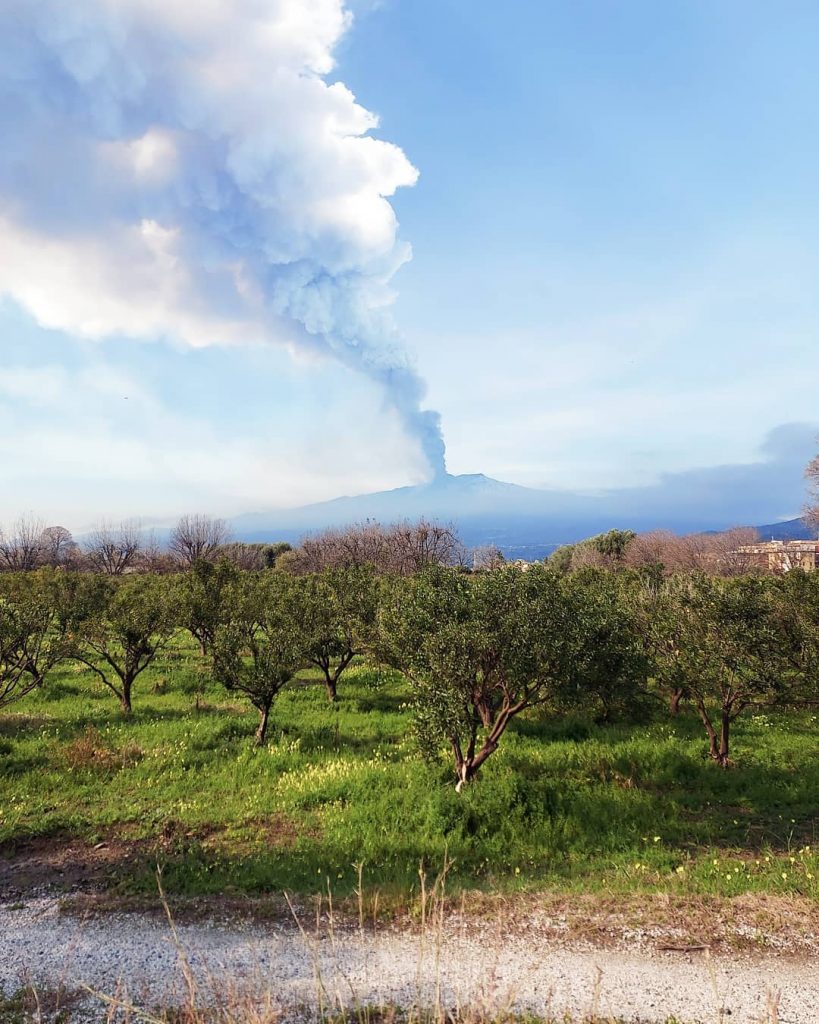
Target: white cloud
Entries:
(184, 170)
(133, 281)
(94, 441)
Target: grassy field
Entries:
(563, 805)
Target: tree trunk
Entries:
(675, 702)
(724, 735)
(465, 774)
(331, 678)
(713, 739)
(462, 765)
(466, 768)
(261, 732)
(125, 697)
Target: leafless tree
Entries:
(363, 544)
(724, 553)
(729, 550)
(152, 558)
(196, 537)
(656, 547)
(694, 551)
(585, 555)
(114, 549)
(487, 557)
(20, 549)
(402, 548)
(58, 547)
(416, 545)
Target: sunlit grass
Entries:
(562, 804)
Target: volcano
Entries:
(523, 522)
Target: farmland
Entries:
(565, 804)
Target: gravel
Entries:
(522, 971)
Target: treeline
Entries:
(125, 548)
(400, 548)
(725, 553)
(478, 649)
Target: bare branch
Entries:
(20, 548)
(197, 537)
(114, 549)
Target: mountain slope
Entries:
(521, 521)
(528, 523)
(791, 529)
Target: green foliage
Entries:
(612, 545)
(30, 644)
(253, 557)
(800, 601)
(584, 789)
(116, 625)
(560, 559)
(612, 662)
(260, 644)
(200, 594)
(336, 610)
(604, 549)
(730, 644)
(565, 803)
(480, 650)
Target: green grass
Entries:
(562, 805)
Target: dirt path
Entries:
(521, 970)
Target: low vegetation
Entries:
(564, 802)
(538, 728)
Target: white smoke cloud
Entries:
(93, 430)
(183, 169)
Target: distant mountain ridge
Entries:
(484, 510)
(790, 529)
(522, 521)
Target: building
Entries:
(782, 556)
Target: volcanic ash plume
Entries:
(184, 169)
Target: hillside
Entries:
(523, 522)
(790, 529)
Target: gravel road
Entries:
(520, 970)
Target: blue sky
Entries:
(613, 273)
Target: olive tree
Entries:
(728, 644)
(800, 592)
(201, 594)
(117, 626)
(612, 664)
(15, 680)
(30, 644)
(662, 628)
(337, 611)
(479, 650)
(259, 647)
